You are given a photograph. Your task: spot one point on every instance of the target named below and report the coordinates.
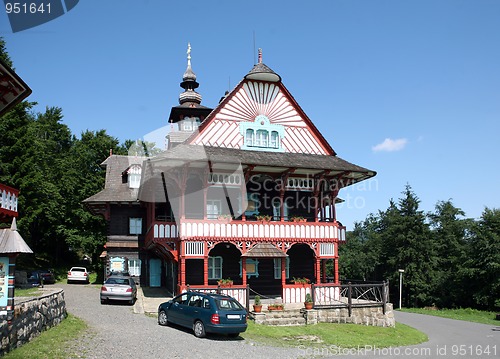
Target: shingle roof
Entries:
(185, 152)
(114, 189)
(264, 250)
(11, 241)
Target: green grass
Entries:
(331, 334)
(54, 343)
(467, 314)
(28, 292)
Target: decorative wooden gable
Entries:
(261, 116)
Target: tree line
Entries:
(449, 261)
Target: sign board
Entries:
(4, 281)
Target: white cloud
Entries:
(390, 145)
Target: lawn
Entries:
(331, 334)
(52, 343)
(467, 314)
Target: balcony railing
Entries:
(8, 200)
(233, 229)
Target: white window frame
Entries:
(211, 205)
(215, 267)
(262, 138)
(274, 139)
(134, 180)
(135, 225)
(134, 267)
(277, 268)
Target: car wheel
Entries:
(103, 301)
(163, 318)
(199, 329)
(233, 335)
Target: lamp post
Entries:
(401, 271)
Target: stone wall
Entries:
(367, 316)
(31, 317)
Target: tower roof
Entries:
(262, 72)
(189, 83)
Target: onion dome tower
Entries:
(189, 113)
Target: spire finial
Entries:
(189, 54)
(260, 56)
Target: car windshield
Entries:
(123, 281)
(78, 269)
(228, 304)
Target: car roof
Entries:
(212, 295)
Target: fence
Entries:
(240, 293)
(350, 295)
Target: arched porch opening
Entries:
(224, 262)
(301, 262)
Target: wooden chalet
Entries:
(245, 192)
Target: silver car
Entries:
(119, 288)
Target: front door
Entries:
(155, 272)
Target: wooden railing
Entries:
(8, 200)
(247, 229)
(239, 292)
(348, 295)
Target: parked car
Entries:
(47, 275)
(78, 274)
(204, 313)
(119, 287)
(34, 278)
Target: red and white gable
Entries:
(267, 106)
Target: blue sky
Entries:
(410, 89)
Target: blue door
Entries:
(155, 272)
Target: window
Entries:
(261, 140)
(213, 208)
(249, 137)
(134, 267)
(135, 225)
(277, 268)
(274, 140)
(214, 267)
(252, 267)
(262, 135)
(134, 180)
(187, 125)
(277, 209)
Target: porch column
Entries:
(317, 269)
(244, 270)
(336, 270)
(323, 271)
(205, 269)
(283, 272)
(182, 265)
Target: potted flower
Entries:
(276, 306)
(302, 281)
(257, 304)
(298, 219)
(224, 217)
(308, 302)
(225, 282)
(263, 217)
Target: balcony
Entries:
(8, 201)
(243, 230)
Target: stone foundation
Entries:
(31, 317)
(366, 316)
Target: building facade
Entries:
(243, 193)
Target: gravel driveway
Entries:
(117, 333)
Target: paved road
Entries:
(116, 332)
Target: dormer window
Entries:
(261, 135)
(134, 176)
